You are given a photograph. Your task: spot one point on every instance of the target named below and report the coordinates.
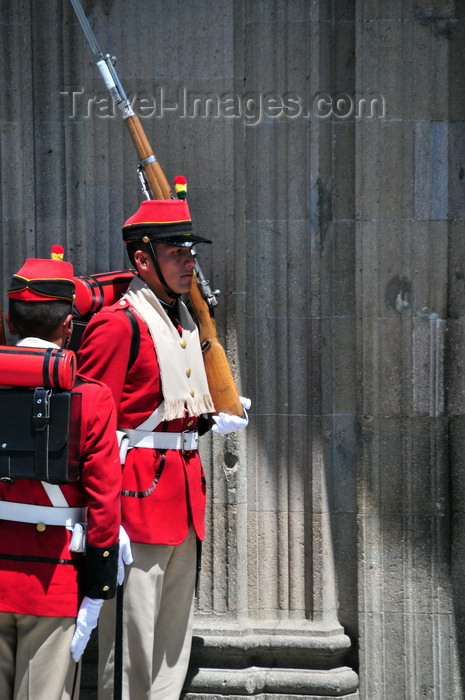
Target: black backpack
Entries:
(40, 417)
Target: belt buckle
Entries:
(186, 445)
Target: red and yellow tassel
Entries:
(180, 185)
(57, 252)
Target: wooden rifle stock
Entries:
(152, 169)
(221, 382)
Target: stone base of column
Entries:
(275, 661)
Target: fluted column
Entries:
(280, 501)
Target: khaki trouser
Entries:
(35, 661)
(157, 623)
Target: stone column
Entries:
(268, 617)
(408, 179)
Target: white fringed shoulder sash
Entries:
(183, 379)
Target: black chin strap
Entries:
(168, 290)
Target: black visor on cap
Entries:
(53, 288)
(163, 233)
(178, 239)
(181, 242)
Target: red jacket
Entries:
(32, 581)
(161, 493)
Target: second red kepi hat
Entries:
(41, 279)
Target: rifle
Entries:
(155, 186)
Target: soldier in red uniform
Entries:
(162, 396)
(43, 585)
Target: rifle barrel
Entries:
(90, 36)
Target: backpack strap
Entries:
(155, 418)
(135, 338)
(41, 428)
(55, 494)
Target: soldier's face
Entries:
(177, 267)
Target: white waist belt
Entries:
(48, 515)
(188, 440)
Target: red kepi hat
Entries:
(162, 221)
(41, 279)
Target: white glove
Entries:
(86, 621)
(225, 423)
(124, 553)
